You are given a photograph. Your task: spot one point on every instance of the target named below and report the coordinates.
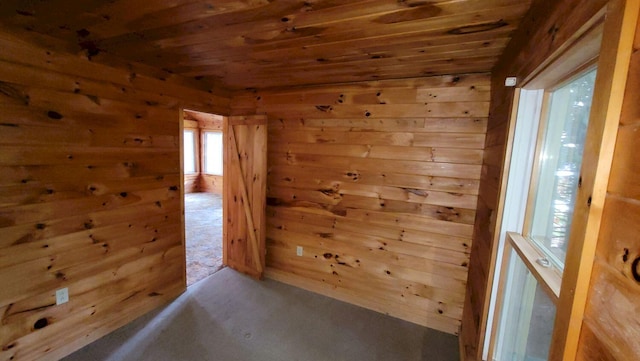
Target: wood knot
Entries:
(83, 33)
(54, 115)
(635, 272)
(328, 192)
(478, 28)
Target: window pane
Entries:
(560, 163)
(526, 321)
(213, 153)
(189, 152)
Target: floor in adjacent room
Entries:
(231, 317)
(203, 233)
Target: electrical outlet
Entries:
(62, 296)
(299, 250)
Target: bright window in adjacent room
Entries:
(189, 152)
(213, 153)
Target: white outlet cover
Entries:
(62, 296)
(299, 250)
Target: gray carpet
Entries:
(231, 317)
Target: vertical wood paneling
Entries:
(244, 198)
(89, 197)
(378, 183)
(611, 326)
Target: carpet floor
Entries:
(203, 233)
(231, 317)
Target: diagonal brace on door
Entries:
(245, 200)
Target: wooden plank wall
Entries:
(611, 327)
(543, 30)
(89, 196)
(378, 183)
(211, 183)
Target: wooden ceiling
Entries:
(240, 44)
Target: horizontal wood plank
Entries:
(378, 183)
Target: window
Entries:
(213, 153)
(534, 257)
(559, 166)
(529, 314)
(190, 152)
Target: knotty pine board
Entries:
(378, 182)
(611, 327)
(191, 183)
(89, 196)
(211, 183)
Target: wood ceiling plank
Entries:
(453, 20)
(362, 61)
(421, 43)
(329, 63)
(55, 17)
(261, 79)
(126, 17)
(400, 54)
(261, 19)
(234, 44)
(387, 85)
(278, 37)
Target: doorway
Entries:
(203, 200)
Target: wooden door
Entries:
(244, 193)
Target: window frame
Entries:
(525, 247)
